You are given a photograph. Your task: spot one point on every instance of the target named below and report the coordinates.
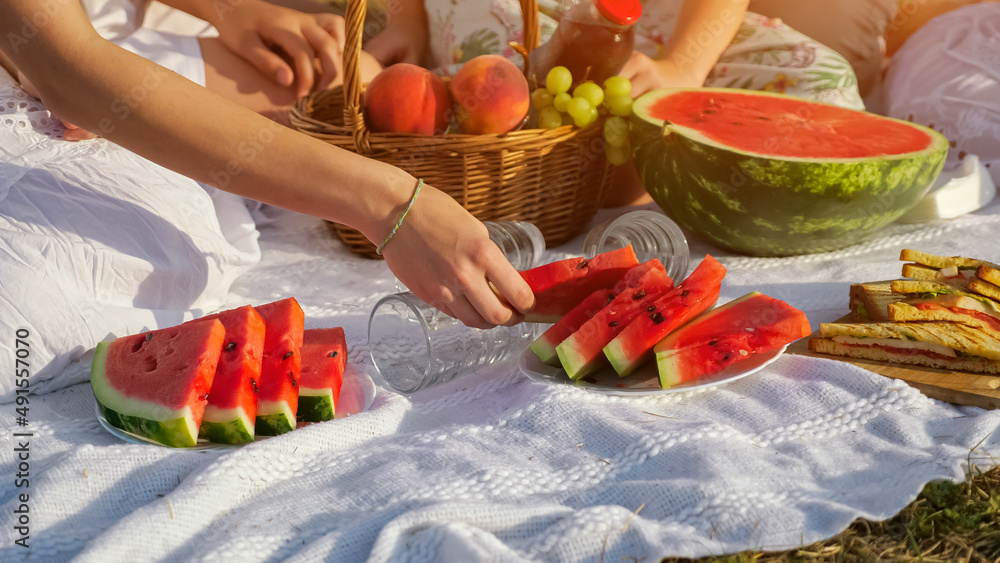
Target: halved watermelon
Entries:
(232, 402)
(774, 175)
(728, 334)
(696, 294)
(278, 394)
(156, 384)
(560, 286)
(581, 353)
(324, 357)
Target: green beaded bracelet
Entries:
(420, 184)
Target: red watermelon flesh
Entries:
(749, 325)
(156, 384)
(696, 294)
(324, 357)
(545, 345)
(232, 402)
(812, 131)
(582, 352)
(560, 286)
(278, 392)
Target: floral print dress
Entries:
(765, 54)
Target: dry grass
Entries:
(947, 522)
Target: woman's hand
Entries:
(271, 37)
(445, 257)
(647, 74)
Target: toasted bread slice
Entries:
(920, 287)
(989, 274)
(903, 312)
(829, 346)
(924, 273)
(984, 288)
(869, 301)
(941, 262)
(934, 336)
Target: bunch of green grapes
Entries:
(556, 107)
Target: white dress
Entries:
(96, 242)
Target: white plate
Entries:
(645, 380)
(356, 395)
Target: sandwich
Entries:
(936, 344)
(955, 271)
(917, 301)
(986, 282)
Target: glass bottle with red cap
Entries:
(594, 40)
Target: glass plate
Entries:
(356, 395)
(645, 380)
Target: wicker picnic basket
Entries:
(554, 178)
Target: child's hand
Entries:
(262, 33)
(647, 74)
(72, 133)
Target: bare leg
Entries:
(234, 78)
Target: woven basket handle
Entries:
(355, 25)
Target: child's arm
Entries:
(441, 252)
(704, 30)
(261, 32)
(404, 39)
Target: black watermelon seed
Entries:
(726, 357)
(582, 265)
(292, 377)
(333, 354)
(287, 355)
(657, 317)
(685, 293)
(651, 308)
(639, 294)
(613, 324)
(230, 347)
(713, 342)
(253, 383)
(149, 336)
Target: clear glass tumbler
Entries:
(415, 346)
(651, 234)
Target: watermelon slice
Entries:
(545, 345)
(156, 384)
(699, 292)
(581, 353)
(278, 394)
(324, 357)
(731, 333)
(232, 403)
(560, 286)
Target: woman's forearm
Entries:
(134, 102)
(704, 30)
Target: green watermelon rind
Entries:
(775, 206)
(171, 427)
(274, 418)
(226, 426)
(316, 405)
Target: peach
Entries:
(406, 98)
(491, 95)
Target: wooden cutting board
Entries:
(959, 387)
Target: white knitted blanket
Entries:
(494, 466)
